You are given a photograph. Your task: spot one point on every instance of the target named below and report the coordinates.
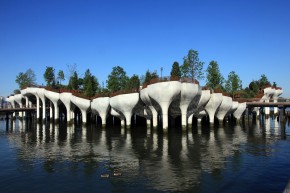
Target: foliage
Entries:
(17, 91)
(213, 76)
(264, 80)
(175, 70)
(233, 83)
(134, 83)
(25, 79)
(49, 76)
(274, 84)
(192, 66)
(71, 69)
(117, 80)
(90, 84)
(150, 76)
(74, 82)
(60, 76)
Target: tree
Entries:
(117, 80)
(49, 76)
(25, 79)
(233, 83)
(264, 80)
(74, 82)
(133, 83)
(90, 84)
(213, 76)
(150, 76)
(175, 70)
(60, 76)
(192, 67)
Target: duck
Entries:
(105, 175)
(117, 173)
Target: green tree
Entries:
(264, 80)
(49, 76)
(90, 84)
(213, 76)
(175, 70)
(117, 80)
(60, 76)
(25, 79)
(150, 76)
(133, 83)
(192, 66)
(74, 82)
(17, 91)
(233, 83)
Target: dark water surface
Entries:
(48, 158)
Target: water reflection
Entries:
(165, 161)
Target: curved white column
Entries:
(114, 113)
(188, 92)
(40, 93)
(200, 115)
(125, 104)
(54, 98)
(224, 108)
(277, 93)
(33, 91)
(212, 105)
(204, 98)
(83, 105)
(164, 93)
(18, 100)
(146, 99)
(241, 108)
(234, 107)
(101, 106)
(268, 93)
(65, 97)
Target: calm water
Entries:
(250, 157)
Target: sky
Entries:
(249, 37)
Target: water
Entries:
(248, 157)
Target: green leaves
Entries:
(25, 79)
(49, 76)
(117, 80)
(213, 76)
(233, 83)
(175, 70)
(192, 67)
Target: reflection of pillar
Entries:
(189, 121)
(50, 110)
(43, 109)
(267, 109)
(275, 108)
(37, 108)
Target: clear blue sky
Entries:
(250, 37)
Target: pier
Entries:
(155, 104)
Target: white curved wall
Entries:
(125, 104)
(188, 93)
(83, 105)
(146, 99)
(164, 93)
(65, 97)
(54, 98)
(224, 108)
(212, 105)
(241, 108)
(101, 106)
